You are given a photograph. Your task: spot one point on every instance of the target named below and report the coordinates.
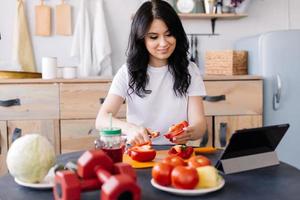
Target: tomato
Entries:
(184, 177)
(182, 151)
(174, 161)
(198, 161)
(161, 173)
(142, 153)
(176, 129)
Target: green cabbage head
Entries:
(30, 157)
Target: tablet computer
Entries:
(253, 141)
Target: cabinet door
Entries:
(82, 101)
(226, 125)
(29, 101)
(3, 147)
(242, 97)
(47, 128)
(206, 141)
(77, 135)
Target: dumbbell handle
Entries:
(102, 174)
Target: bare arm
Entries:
(135, 134)
(197, 121)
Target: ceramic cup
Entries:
(69, 72)
(49, 67)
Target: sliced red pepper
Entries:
(142, 153)
(152, 134)
(176, 129)
(181, 150)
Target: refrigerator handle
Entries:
(277, 94)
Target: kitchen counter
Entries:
(276, 182)
(102, 79)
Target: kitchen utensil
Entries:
(63, 19)
(196, 57)
(18, 74)
(42, 19)
(192, 49)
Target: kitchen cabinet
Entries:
(207, 139)
(47, 128)
(3, 147)
(234, 102)
(64, 110)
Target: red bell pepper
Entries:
(142, 153)
(182, 151)
(176, 129)
(152, 134)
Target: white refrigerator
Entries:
(276, 57)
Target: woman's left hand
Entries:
(185, 136)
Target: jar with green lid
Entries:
(111, 142)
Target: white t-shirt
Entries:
(162, 108)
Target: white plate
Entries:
(47, 183)
(184, 192)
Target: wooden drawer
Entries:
(226, 125)
(75, 135)
(207, 140)
(3, 147)
(47, 128)
(35, 101)
(242, 97)
(82, 101)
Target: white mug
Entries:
(49, 65)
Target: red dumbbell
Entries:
(68, 186)
(116, 179)
(96, 169)
(120, 186)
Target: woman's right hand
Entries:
(137, 135)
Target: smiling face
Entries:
(159, 43)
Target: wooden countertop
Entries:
(109, 79)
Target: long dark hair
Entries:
(138, 55)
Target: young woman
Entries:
(161, 87)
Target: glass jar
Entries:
(112, 143)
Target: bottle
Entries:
(111, 142)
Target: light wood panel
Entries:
(242, 97)
(75, 135)
(47, 128)
(42, 19)
(63, 19)
(233, 123)
(3, 147)
(209, 124)
(212, 16)
(37, 101)
(82, 101)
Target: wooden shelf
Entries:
(212, 16)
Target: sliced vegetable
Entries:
(142, 153)
(152, 134)
(176, 129)
(182, 151)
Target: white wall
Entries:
(264, 15)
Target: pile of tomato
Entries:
(174, 171)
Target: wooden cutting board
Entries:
(63, 19)
(42, 19)
(161, 154)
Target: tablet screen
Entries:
(255, 140)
